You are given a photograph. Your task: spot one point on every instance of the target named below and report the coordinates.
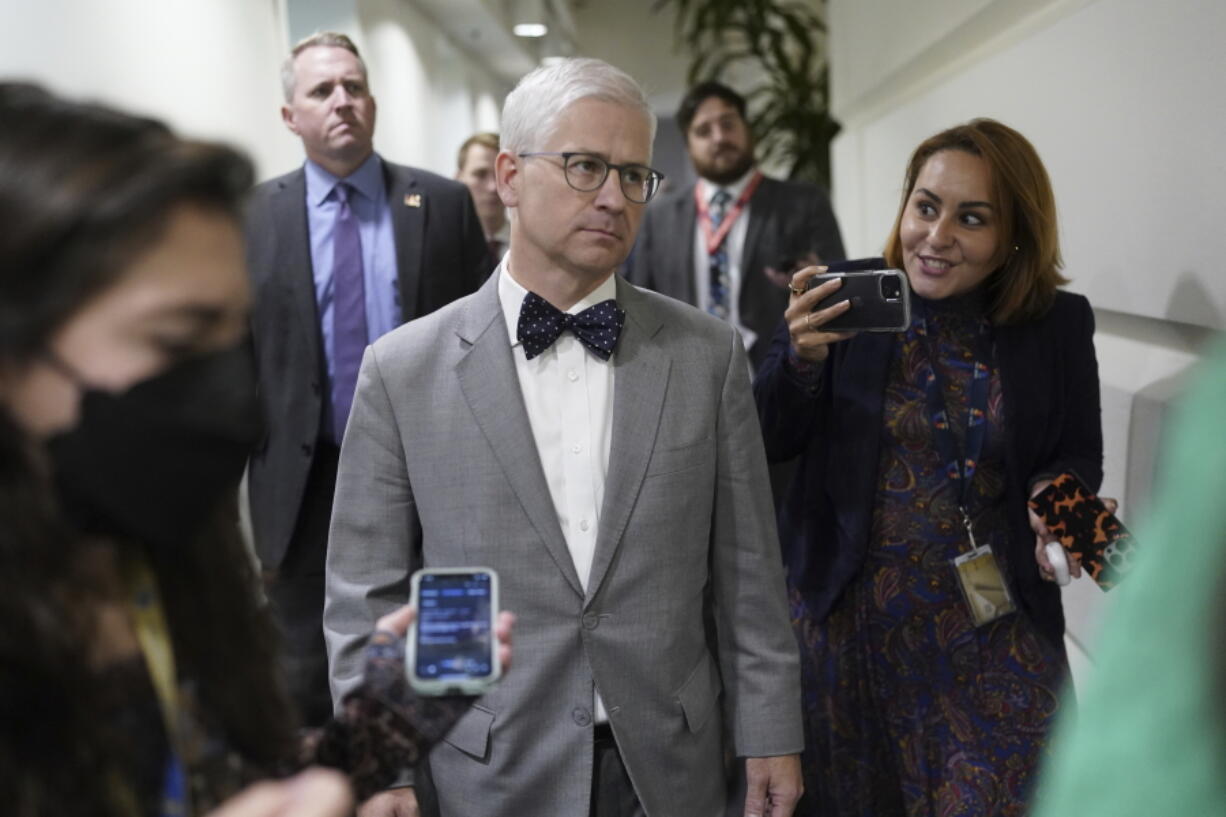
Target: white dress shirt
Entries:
(734, 245)
(568, 393)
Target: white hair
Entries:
(531, 111)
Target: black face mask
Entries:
(155, 462)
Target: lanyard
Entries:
(959, 465)
(715, 237)
(149, 619)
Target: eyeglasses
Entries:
(586, 172)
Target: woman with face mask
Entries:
(136, 665)
(930, 625)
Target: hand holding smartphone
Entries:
(452, 645)
(880, 298)
(1085, 528)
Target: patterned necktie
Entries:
(597, 327)
(717, 303)
(348, 310)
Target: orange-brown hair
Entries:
(1027, 261)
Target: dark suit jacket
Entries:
(787, 221)
(1049, 378)
(441, 255)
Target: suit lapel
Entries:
(491, 388)
(408, 205)
(755, 288)
(294, 246)
(641, 381)
(685, 221)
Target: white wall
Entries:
(209, 69)
(1122, 98)
(431, 96)
(212, 69)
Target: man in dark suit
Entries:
(341, 251)
(728, 244)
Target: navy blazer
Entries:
(1049, 378)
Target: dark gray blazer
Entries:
(787, 221)
(684, 608)
(441, 255)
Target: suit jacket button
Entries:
(590, 621)
(306, 449)
(315, 388)
(581, 716)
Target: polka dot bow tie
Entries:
(541, 323)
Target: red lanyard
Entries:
(716, 237)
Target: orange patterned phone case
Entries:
(1088, 531)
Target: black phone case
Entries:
(870, 311)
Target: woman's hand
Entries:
(398, 624)
(1042, 536)
(809, 342)
(313, 793)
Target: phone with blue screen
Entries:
(452, 648)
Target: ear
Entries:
(509, 175)
(287, 116)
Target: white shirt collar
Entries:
(511, 296)
(367, 180)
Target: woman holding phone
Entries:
(930, 629)
(137, 672)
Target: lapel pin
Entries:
(412, 199)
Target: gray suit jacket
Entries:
(435, 228)
(685, 607)
(787, 221)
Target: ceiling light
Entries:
(530, 29)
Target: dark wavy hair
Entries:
(1027, 263)
(699, 94)
(83, 190)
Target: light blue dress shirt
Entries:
(369, 204)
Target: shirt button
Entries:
(576, 448)
(572, 375)
(583, 525)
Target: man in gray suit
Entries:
(341, 250)
(728, 244)
(597, 445)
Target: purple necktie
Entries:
(348, 310)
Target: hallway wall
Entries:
(212, 69)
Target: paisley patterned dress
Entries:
(910, 708)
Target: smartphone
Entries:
(1086, 529)
(880, 298)
(452, 647)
